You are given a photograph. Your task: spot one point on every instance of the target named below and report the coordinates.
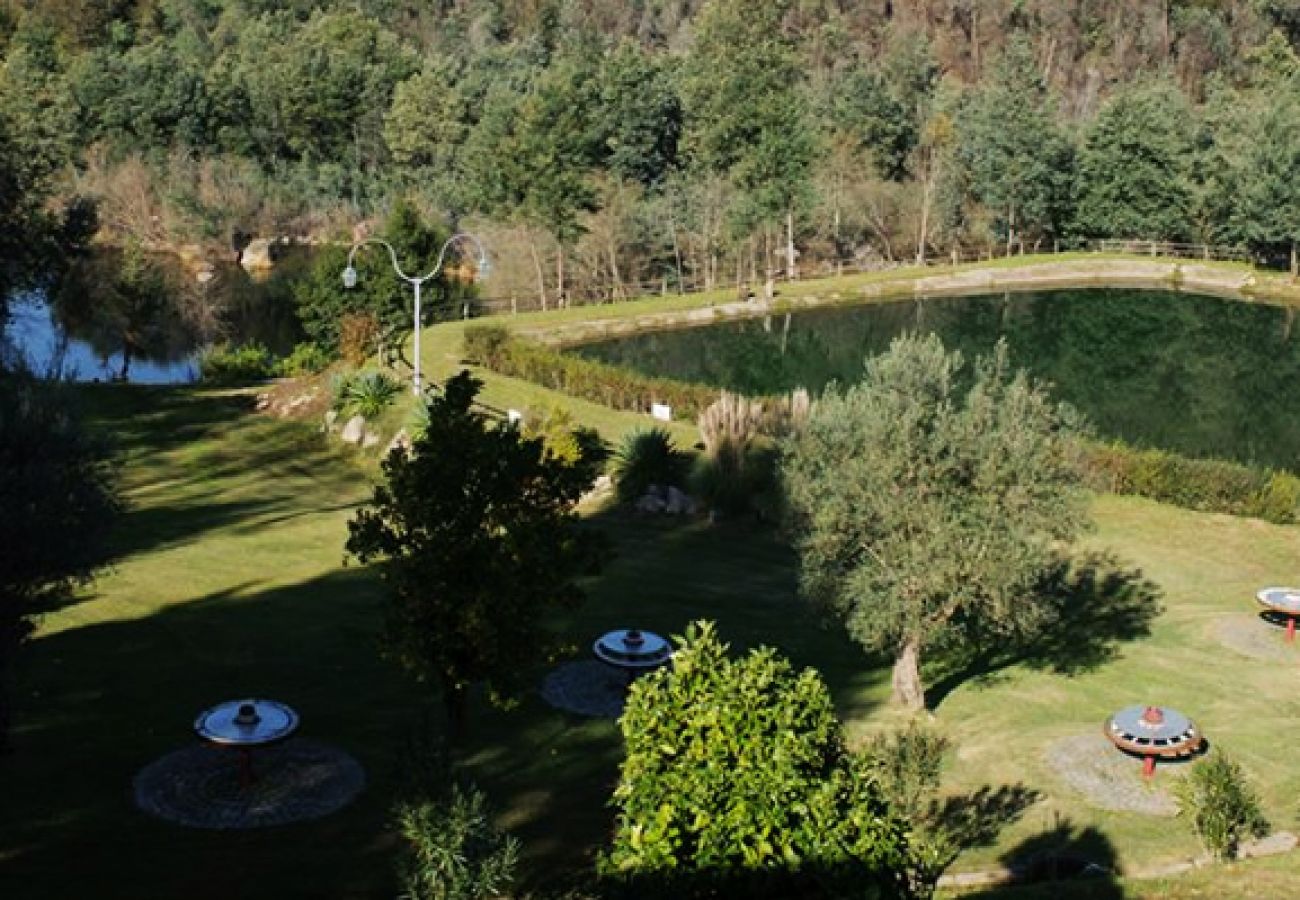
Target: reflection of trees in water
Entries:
(132, 305)
(1195, 374)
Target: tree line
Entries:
(669, 142)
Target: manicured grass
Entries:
(230, 581)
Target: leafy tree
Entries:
(1018, 160)
(57, 489)
(427, 123)
(737, 781)
(745, 113)
(453, 851)
(1268, 213)
(477, 538)
(380, 295)
(863, 105)
(924, 514)
(641, 116)
(1134, 168)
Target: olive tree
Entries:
(925, 511)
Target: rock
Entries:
(331, 418)
(257, 256)
(679, 503)
(370, 439)
(1272, 845)
(401, 439)
(205, 274)
(263, 402)
(354, 431)
(651, 503)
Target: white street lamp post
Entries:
(350, 281)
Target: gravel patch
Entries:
(587, 688)
(1257, 638)
(1109, 778)
(295, 781)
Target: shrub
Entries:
(358, 337)
(907, 765)
(1209, 485)
(1220, 804)
(452, 850)
(736, 481)
(306, 359)
(365, 393)
(737, 780)
(563, 438)
(647, 457)
(224, 364)
(485, 344)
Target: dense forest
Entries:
(604, 147)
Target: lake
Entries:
(1199, 375)
(87, 332)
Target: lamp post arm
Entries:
(392, 254)
(442, 254)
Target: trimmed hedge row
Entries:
(495, 348)
(1209, 485)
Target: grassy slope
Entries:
(229, 582)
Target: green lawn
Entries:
(229, 581)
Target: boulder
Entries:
(651, 503)
(354, 431)
(370, 439)
(256, 257)
(679, 503)
(401, 439)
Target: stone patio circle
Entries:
(586, 688)
(1109, 778)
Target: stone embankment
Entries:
(1182, 275)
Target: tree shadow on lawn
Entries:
(99, 702)
(965, 821)
(1093, 605)
(1064, 861)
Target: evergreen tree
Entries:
(1269, 210)
(1019, 163)
(1134, 168)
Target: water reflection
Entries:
(125, 317)
(1199, 375)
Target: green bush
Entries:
(907, 765)
(224, 364)
(648, 457)
(737, 779)
(306, 359)
(484, 344)
(365, 393)
(1209, 485)
(737, 481)
(453, 852)
(1220, 804)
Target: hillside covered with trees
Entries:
(604, 148)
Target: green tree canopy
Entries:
(1018, 161)
(1268, 214)
(737, 782)
(57, 489)
(925, 512)
(1134, 168)
(476, 536)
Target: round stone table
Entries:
(1282, 601)
(245, 725)
(1153, 732)
(632, 651)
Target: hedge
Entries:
(1209, 485)
(495, 348)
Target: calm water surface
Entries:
(91, 334)
(1196, 374)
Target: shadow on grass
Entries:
(1092, 606)
(99, 702)
(976, 819)
(1065, 861)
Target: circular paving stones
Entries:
(297, 781)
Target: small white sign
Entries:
(662, 412)
(514, 415)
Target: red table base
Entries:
(1148, 766)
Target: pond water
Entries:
(1199, 375)
(87, 332)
